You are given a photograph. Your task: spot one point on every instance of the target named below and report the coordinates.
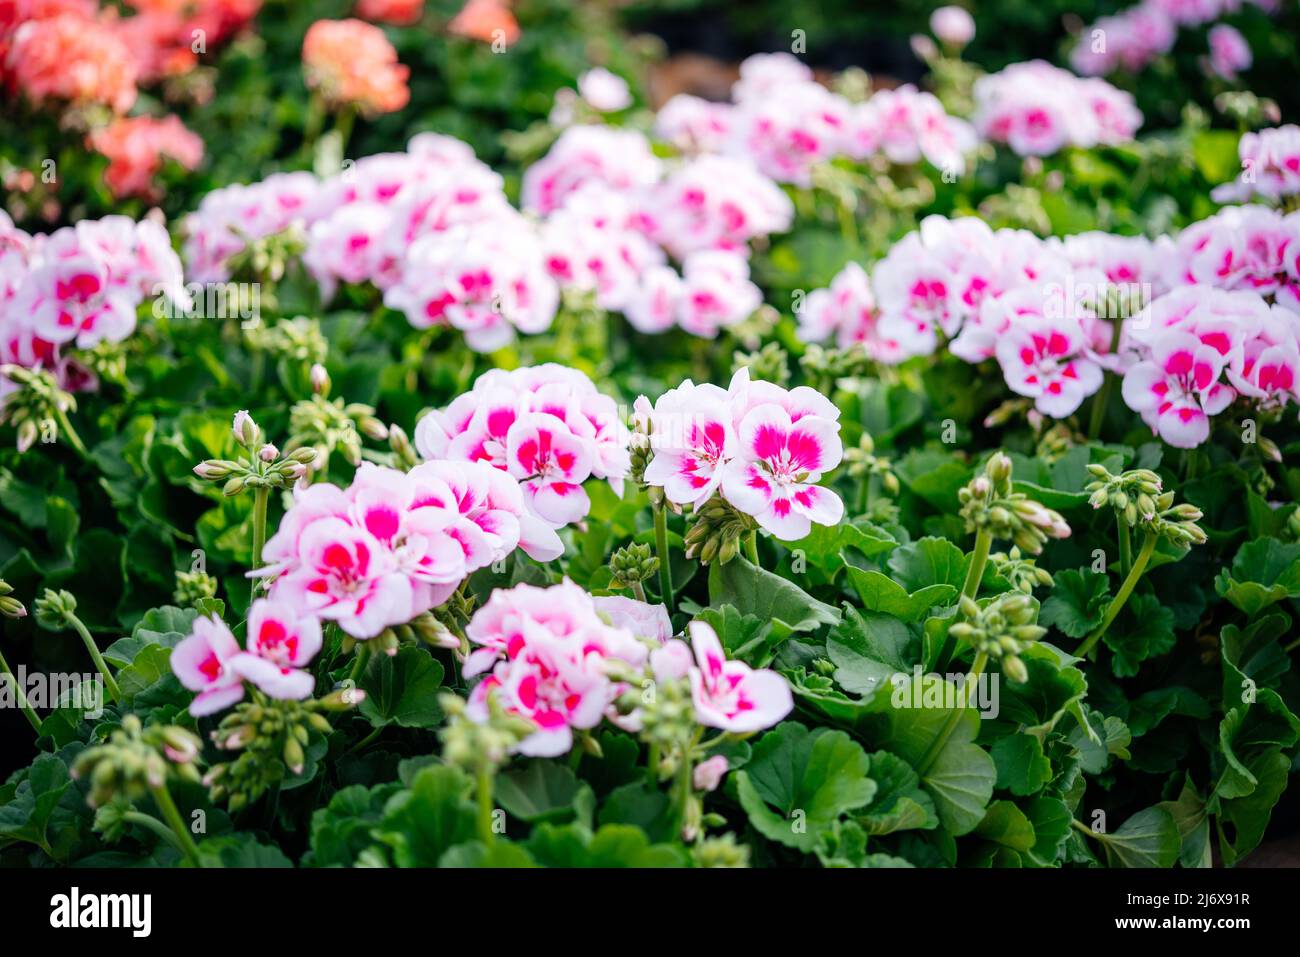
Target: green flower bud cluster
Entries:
(429, 627)
(830, 365)
(1002, 629)
(1293, 525)
(55, 609)
(1022, 573)
(106, 359)
(988, 503)
(1131, 494)
(37, 408)
(1137, 498)
(1178, 523)
(472, 744)
(298, 339)
(404, 455)
(864, 463)
(264, 468)
(632, 565)
(273, 736)
(10, 607)
(667, 718)
(193, 587)
(770, 363)
(136, 760)
(1055, 442)
(330, 425)
(716, 533)
(721, 851)
(267, 257)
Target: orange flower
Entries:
(136, 147)
(68, 57)
(352, 62)
(398, 12)
(486, 20)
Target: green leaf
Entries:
(27, 815)
(1006, 824)
(501, 854)
(810, 777)
(1144, 629)
(1193, 821)
(899, 803)
(1264, 571)
(1023, 768)
(165, 627)
(1077, 603)
(1147, 839)
(868, 649)
(755, 591)
(148, 680)
(342, 829)
(402, 689)
(880, 593)
(538, 791)
(241, 850)
(928, 561)
(1249, 815)
(614, 845)
(1051, 820)
(961, 776)
(435, 814)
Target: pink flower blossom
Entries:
(650, 622)
(1047, 359)
(547, 649)
(280, 642)
(1177, 389)
(953, 26)
(1229, 52)
(729, 694)
(621, 159)
(204, 662)
(708, 773)
(693, 438)
(778, 464)
(604, 91)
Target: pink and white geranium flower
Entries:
(1048, 360)
(1177, 388)
(280, 642)
(693, 437)
(204, 662)
(729, 694)
(778, 464)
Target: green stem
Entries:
(1125, 548)
(683, 790)
(368, 739)
(751, 547)
(65, 426)
(114, 693)
(165, 804)
(954, 716)
(665, 568)
(21, 697)
(652, 766)
(151, 823)
(1126, 589)
(485, 832)
(260, 498)
(639, 591)
(979, 558)
(1099, 408)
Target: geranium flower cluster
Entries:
(556, 657)
(1038, 109)
(351, 63)
(546, 426)
(1132, 39)
(1270, 166)
(136, 148)
(785, 123)
(1214, 313)
(394, 544)
(281, 641)
(430, 227)
(77, 287)
(762, 447)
